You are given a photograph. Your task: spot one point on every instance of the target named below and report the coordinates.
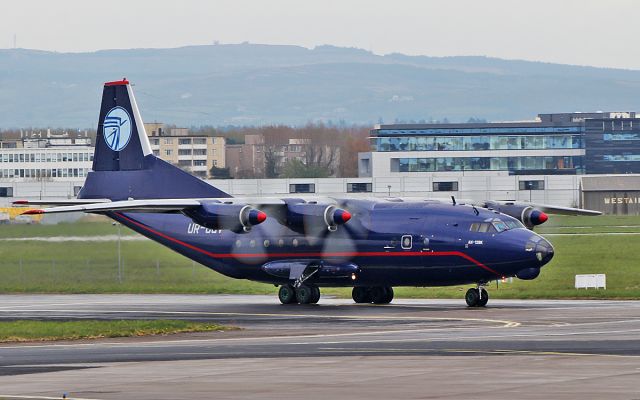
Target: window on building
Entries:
(445, 186)
(6, 192)
(168, 152)
(168, 140)
(184, 152)
(200, 141)
(531, 185)
(156, 152)
(302, 188)
(155, 142)
(184, 163)
(76, 190)
(359, 187)
(199, 163)
(199, 152)
(184, 141)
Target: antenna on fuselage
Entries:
(475, 210)
(453, 199)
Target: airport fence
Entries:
(96, 275)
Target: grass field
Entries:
(26, 330)
(91, 267)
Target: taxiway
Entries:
(409, 349)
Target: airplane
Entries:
(301, 245)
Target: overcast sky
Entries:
(585, 32)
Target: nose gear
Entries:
(477, 297)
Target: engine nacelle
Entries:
(528, 215)
(234, 217)
(312, 218)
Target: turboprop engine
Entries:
(314, 218)
(235, 217)
(528, 215)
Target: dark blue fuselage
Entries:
(390, 244)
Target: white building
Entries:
(52, 157)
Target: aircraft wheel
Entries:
(316, 294)
(472, 297)
(361, 295)
(305, 294)
(484, 298)
(287, 294)
(389, 297)
(379, 295)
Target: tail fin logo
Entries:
(117, 128)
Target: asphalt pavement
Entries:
(408, 349)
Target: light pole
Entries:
(119, 254)
(389, 189)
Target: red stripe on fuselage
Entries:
(326, 255)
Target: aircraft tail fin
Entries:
(123, 163)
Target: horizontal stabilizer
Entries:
(155, 205)
(69, 202)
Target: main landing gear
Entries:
(375, 294)
(303, 294)
(477, 297)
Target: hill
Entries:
(251, 84)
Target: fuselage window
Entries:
(295, 242)
(238, 243)
(280, 243)
(252, 243)
(474, 227)
(266, 243)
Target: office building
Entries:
(552, 144)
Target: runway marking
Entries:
(479, 351)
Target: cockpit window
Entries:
(500, 226)
(495, 225)
(483, 227)
(513, 224)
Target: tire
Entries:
(484, 298)
(316, 294)
(361, 295)
(287, 294)
(472, 297)
(389, 297)
(305, 294)
(379, 294)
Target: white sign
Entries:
(591, 281)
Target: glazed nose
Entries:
(544, 252)
(541, 248)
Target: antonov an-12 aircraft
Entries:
(300, 244)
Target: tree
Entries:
(270, 162)
(295, 168)
(219, 173)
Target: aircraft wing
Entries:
(551, 209)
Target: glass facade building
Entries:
(572, 143)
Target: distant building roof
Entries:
(617, 183)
